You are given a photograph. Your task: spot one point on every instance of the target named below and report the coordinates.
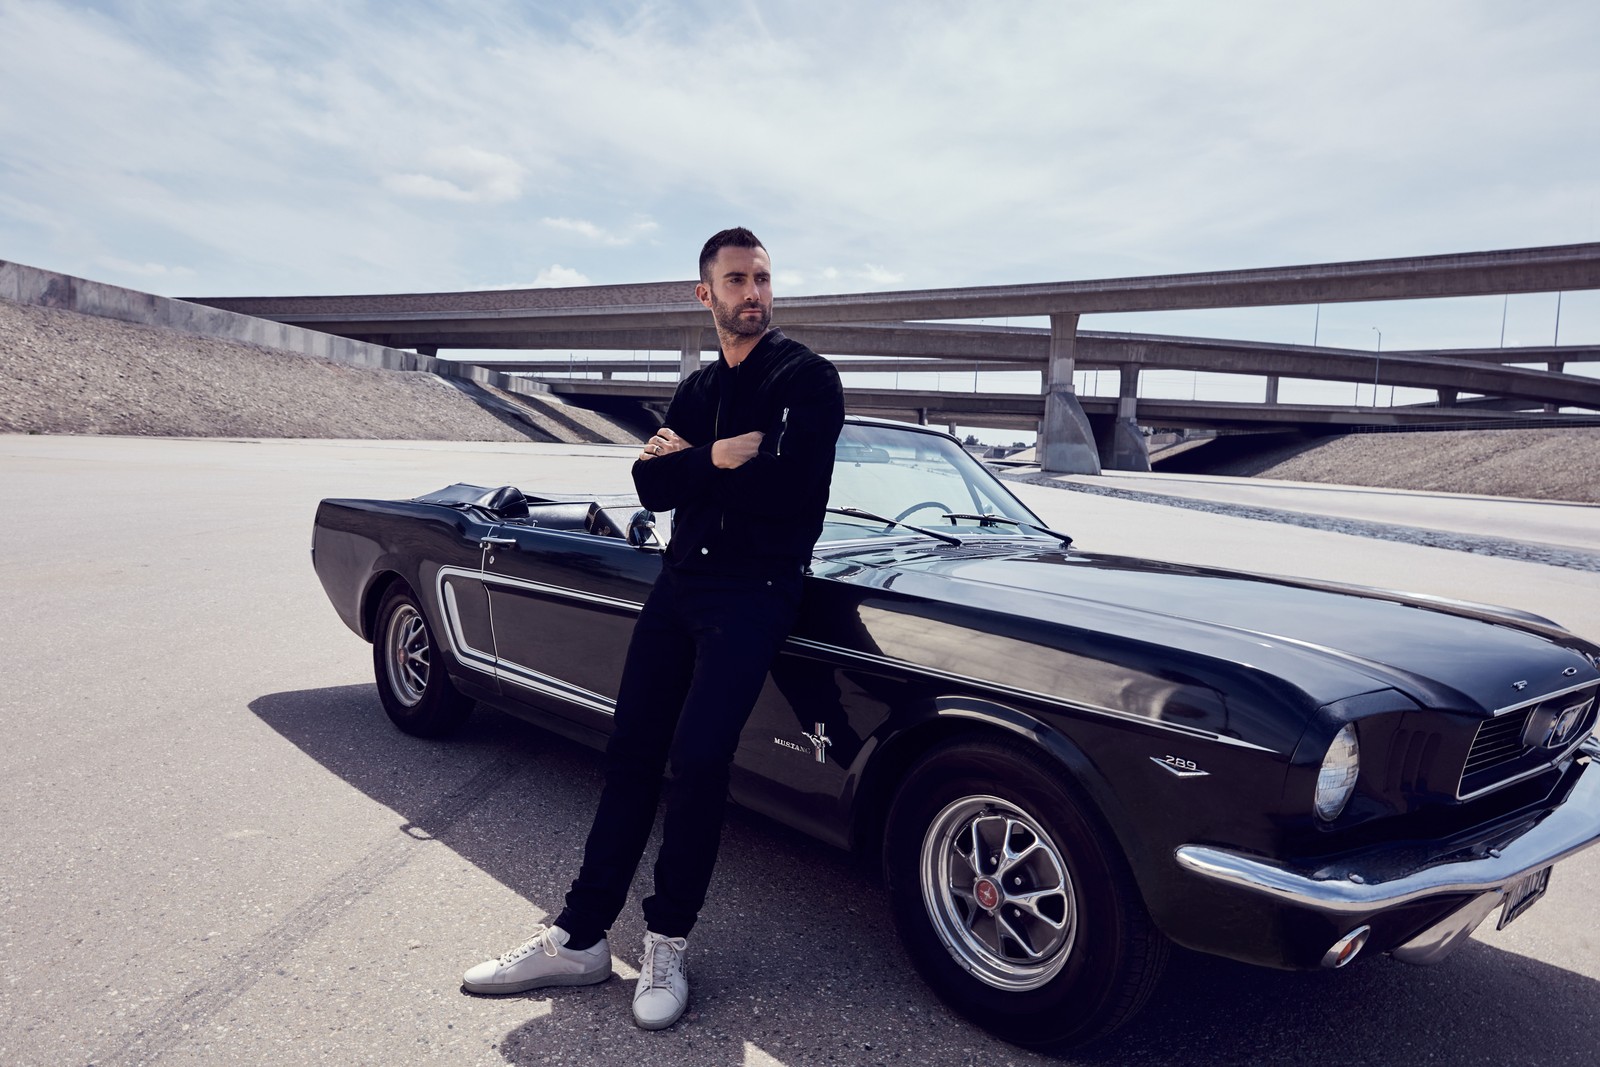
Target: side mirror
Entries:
(642, 530)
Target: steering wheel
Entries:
(914, 508)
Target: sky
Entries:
(208, 148)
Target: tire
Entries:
(415, 690)
(1016, 907)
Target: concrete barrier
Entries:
(23, 284)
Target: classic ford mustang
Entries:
(1065, 760)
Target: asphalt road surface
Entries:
(217, 851)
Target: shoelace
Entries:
(538, 940)
(662, 964)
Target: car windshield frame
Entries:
(917, 475)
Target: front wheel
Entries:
(1015, 906)
(412, 684)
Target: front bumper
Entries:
(1358, 887)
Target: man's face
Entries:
(740, 292)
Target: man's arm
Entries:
(673, 470)
(797, 459)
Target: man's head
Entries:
(736, 282)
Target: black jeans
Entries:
(699, 655)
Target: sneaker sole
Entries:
(658, 1024)
(502, 988)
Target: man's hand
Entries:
(731, 452)
(663, 442)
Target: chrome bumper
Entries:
(1369, 884)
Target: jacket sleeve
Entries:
(664, 482)
(790, 475)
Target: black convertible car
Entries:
(1065, 760)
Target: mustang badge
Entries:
(819, 743)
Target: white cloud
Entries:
(556, 275)
(876, 275)
(144, 270)
(617, 237)
(476, 176)
(831, 279)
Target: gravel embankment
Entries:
(1556, 463)
(61, 372)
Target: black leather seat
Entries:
(560, 516)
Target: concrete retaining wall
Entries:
(31, 285)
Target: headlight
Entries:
(1337, 778)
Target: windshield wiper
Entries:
(990, 520)
(857, 513)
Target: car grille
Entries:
(1503, 751)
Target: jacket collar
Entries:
(760, 354)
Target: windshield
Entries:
(914, 477)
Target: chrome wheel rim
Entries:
(408, 654)
(999, 893)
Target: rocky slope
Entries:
(61, 372)
(1553, 463)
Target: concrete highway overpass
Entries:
(896, 325)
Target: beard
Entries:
(730, 318)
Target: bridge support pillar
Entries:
(1447, 397)
(1272, 389)
(689, 352)
(1066, 443)
(431, 351)
(1126, 450)
(1554, 368)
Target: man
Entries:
(744, 463)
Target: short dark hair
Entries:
(737, 237)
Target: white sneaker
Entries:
(663, 990)
(542, 960)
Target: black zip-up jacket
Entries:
(764, 516)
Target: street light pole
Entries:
(1377, 366)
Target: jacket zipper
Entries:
(722, 513)
(783, 429)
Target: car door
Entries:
(563, 605)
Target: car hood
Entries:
(1333, 640)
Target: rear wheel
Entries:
(412, 684)
(1015, 906)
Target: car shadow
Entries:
(795, 956)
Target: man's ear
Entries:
(702, 293)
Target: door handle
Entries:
(502, 542)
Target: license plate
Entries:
(1523, 894)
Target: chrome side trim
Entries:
(450, 612)
(1367, 885)
(565, 593)
(490, 578)
(1029, 694)
(555, 687)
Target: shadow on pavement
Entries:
(796, 957)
